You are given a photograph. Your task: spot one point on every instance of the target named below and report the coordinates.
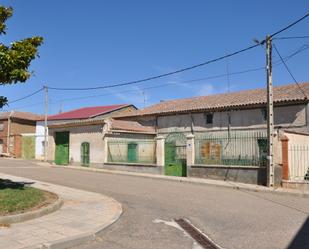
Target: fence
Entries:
(231, 148)
(298, 162)
(141, 151)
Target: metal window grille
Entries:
(231, 148)
(132, 151)
(299, 162)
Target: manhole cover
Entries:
(199, 237)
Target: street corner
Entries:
(70, 225)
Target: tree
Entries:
(16, 58)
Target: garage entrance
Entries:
(62, 140)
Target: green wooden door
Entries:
(28, 147)
(132, 152)
(62, 148)
(85, 154)
(175, 155)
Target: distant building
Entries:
(85, 113)
(17, 134)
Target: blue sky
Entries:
(95, 43)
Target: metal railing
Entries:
(241, 148)
(299, 162)
(138, 152)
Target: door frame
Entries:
(68, 147)
(82, 152)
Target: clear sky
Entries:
(95, 43)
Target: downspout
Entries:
(8, 133)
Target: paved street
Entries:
(232, 218)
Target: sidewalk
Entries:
(81, 217)
(217, 183)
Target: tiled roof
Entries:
(20, 115)
(75, 123)
(86, 112)
(131, 126)
(284, 93)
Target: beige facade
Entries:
(90, 133)
(117, 148)
(289, 116)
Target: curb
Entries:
(198, 181)
(16, 218)
(78, 239)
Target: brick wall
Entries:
(17, 127)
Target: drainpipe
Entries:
(8, 133)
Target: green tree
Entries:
(16, 58)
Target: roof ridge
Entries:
(222, 94)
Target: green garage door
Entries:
(62, 148)
(28, 147)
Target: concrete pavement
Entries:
(82, 215)
(233, 218)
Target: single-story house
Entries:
(93, 142)
(85, 113)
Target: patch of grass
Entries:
(17, 200)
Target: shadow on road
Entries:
(5, 183)
(301, 240)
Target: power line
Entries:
(183, 69)
(289, 26)
(291, 37)
(276, 63)
(25, 97)
(289, 71)
(158, 76)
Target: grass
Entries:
(17, 198)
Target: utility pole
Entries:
(45, 123)
(270, 114)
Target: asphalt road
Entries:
(232, 218)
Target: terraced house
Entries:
(74, 136)
(84, 113)
(223, 136)
(220, 136)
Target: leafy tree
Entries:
(16, 58)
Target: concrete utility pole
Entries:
(45, 123)
(270, 114)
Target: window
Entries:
(1, 126)
(264, 113)
(209, 118)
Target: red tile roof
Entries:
(20, 115)
(285, 93)
(131, 126)
(86, 112)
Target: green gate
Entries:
(85, 154)
(132, 152)
(175, 155)
(28, 147)
(62, 148)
